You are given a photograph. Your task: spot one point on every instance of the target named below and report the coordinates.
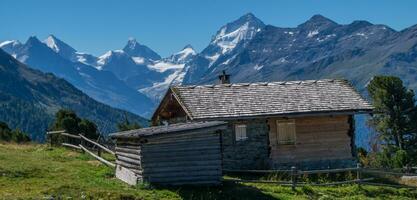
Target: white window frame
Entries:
(240, 132)
(288, 125)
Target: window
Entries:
(240, 132)
(286, 131)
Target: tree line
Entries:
(9, 135)
(67, 120)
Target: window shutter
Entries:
(240, 132)
(286, 131)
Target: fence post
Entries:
(99, 151)
(293, 178)
(358, 173)
(50, 139)
(408, 168)
(82, 143)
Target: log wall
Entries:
(175, 159)
(185, 158)
(317, 138)
(128, 154)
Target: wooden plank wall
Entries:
(184, 158)
(317, 138)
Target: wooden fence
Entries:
(85, 148)
(295, 174)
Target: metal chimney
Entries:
(224, 78)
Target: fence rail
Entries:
(83, 147)
(106, 162)
(326, 171)
(71, 135)
(294, 174)
(379, 171)
(256, 171)
(54, 132)
(97, 144)
(71, 145)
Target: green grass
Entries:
(38, 172)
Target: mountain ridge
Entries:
(29, 99)
(302, 52)
(252, 51)
(101, 85)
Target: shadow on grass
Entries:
(227, 190)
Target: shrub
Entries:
(9, 135)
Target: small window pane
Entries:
(286, 131)
(240, 132)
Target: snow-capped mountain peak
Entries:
(228, 40)
(232, 33)
(132, 43)
(60, 47)
(51, 43)
(183, 56)
(10, 46)
(105, 58)
(10, 42)
(189, 49)
(135, 49)
(171, 70)
(185, 53)
(118, 62)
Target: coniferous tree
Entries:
(5, 132)
(88, 128)
(9, 135)
(69, 121)
(19, 136)
(66, 120)
(395, 115)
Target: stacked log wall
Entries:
(183, 158)
(128, 155)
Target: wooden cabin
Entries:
(182, 153)
(309, 124)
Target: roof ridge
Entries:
(265, 83)
(284, 98)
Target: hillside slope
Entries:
(29, 99)
(102, 86)
(38, 172)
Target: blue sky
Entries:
(166, 26)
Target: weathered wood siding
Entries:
(128, 155)
(183, 158)
(317, 138)
(169, 110)
(174, 159)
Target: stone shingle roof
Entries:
(172, 128)
(272, 98)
